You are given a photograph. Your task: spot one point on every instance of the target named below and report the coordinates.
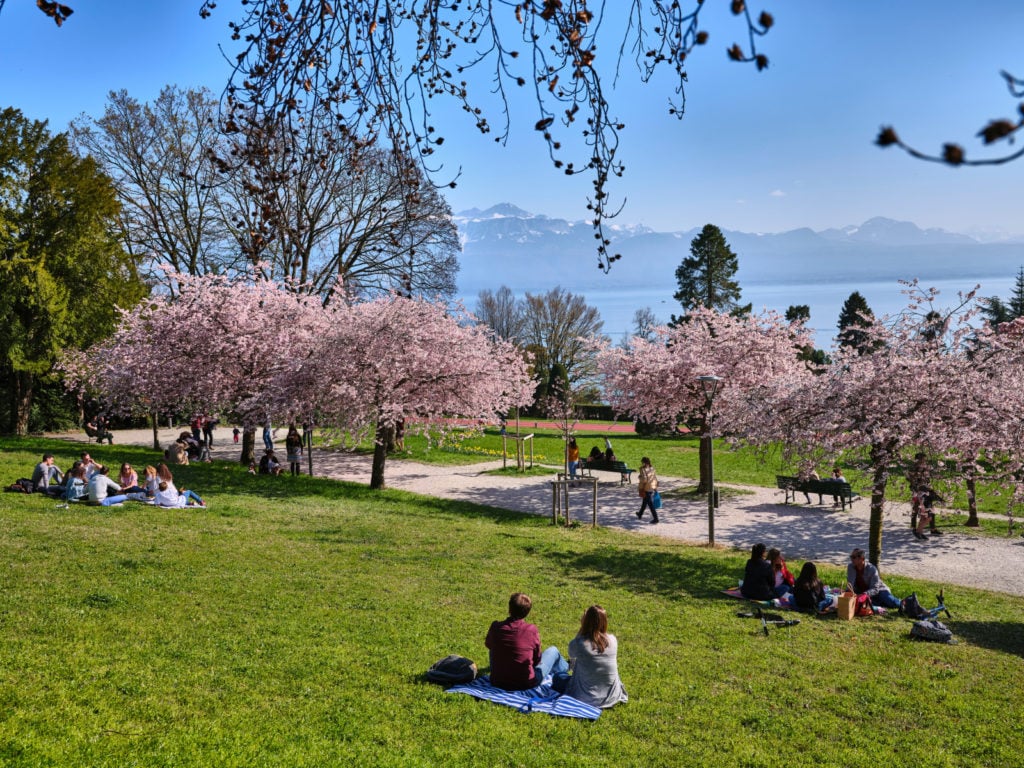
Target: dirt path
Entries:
(802, 532)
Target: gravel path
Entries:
(819, 533)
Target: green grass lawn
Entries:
(290, 624)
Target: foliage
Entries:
(502, 312)
(854, 316)
(310, 210)
(706, 277)
(558, 328)
(909, 384)
(997, 311)
(267, 352)
(62, 274)
(172, 201)
(246, 633)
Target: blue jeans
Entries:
(573, 465)
(551, 663)
(885, 599)
(268, 440)
(191, 495)
(648, 503)
(113, 500)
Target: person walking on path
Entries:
(647, 481)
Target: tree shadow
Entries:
(1005, 636)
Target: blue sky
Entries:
(770, 151)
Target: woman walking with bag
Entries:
(647, 482)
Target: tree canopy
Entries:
(62, 272)
(706, 277)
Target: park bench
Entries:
(587, 467)
(794, 485)
(98, 435)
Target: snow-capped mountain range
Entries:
(505, 245)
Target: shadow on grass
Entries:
(697, 574)
(1005, 636)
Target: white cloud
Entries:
(777, 193)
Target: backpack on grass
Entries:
(931, 630)
(452, 670)
(912, 608)
(21, 486)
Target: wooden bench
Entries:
(98, 435)
(587, 467)
(794, 485)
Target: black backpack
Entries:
(912, 608)
(935, 631)
(451, 670)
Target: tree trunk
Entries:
(248, 446)
(21, 404)
(156, 437)
(972, 501)
(388, 436)
(881, 477)
(380, 455)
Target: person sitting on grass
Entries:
(167, 496)
(758, 578)
(863, 577)
(593, 655)
(76, 488)
(809, 594)
(782, 579)
(269, 465)
(514, 645)
(103, 491)
(47, 477)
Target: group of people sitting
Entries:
(766, 577)
(89, 481)
(187, 448)
(591, 674)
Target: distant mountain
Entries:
(505, 245)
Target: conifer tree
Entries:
(853, 318)
(707, 277)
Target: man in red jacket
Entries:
(516, 660)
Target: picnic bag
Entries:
(932, 630)
(451, 670)
(864, 607)
(846, 607)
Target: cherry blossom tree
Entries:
(911, 387)
(395, 360)
(755, 355)
(220, 345)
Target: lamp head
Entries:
(710, 385)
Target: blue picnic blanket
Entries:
(542, 698)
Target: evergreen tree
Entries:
(855, 315)
(707, 277)
(62, 273)
(1016, 304)
(798, 312)
(997, 311)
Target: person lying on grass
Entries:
(168, 496)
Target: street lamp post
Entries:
(710, 386)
